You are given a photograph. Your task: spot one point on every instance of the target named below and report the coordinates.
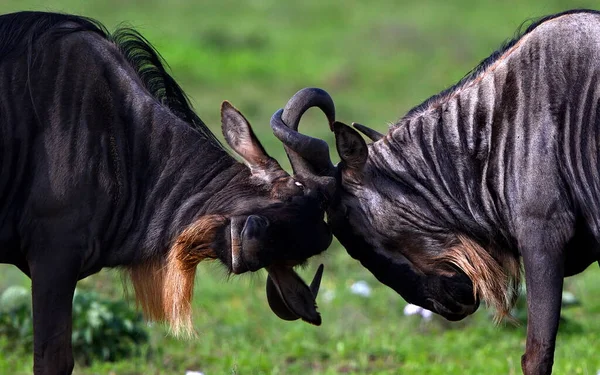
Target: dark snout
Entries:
(247, 237)
(451, 296)
(257, 242)
(254, 234)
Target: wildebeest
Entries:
(105, 164)
(498, 170)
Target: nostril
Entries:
(255, 226)
(259, 220)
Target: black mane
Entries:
(149, 65)
(490, 60)
(19, 32)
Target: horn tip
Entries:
(316, 282)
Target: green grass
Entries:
(377, 59)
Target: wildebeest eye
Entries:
(299, 184)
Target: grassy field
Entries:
(377, 59)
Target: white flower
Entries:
(411, 309)
(361, 288)
(426, 314)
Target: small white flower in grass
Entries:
(411, 309)
(426, 314)
(361, 288)
(194, 373)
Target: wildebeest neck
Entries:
(457, 150)
(454, 155)
(419, 174)
(147, 169)
(180, 183)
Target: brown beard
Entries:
(164, 286)
(496, 280)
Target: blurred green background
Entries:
(377, 59)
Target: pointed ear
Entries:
(351, 147)
(240, 137)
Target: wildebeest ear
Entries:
(351, 147)
(239, 135)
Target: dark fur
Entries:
(105, 164)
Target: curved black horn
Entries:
(374, 135)
(307, 155)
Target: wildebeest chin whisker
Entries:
(496, 281)
(164, 287)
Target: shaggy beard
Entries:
(164, 286)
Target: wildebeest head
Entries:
(288, 226)
(266, 219)
(404, 251)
